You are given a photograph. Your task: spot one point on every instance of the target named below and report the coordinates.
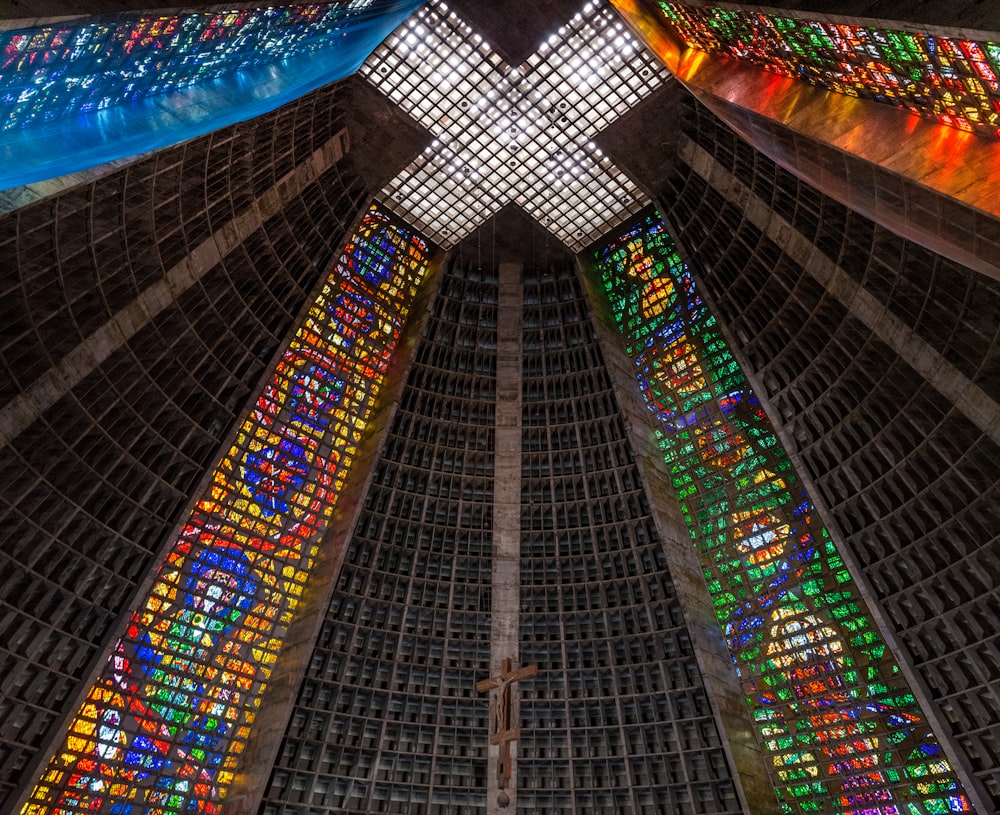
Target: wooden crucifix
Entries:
(503, 728)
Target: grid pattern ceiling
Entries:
(521, 134)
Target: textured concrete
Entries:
(72, 369)
(511, 236)
(516, 30)
(951, 383)
(383, 138)
(642, 140)
(506, 590)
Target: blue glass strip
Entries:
(94, 90)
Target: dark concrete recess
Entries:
(516, 29)
(642, 141)
(383, 138)
(511, 236)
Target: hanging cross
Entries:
(521, 134)
(503, 728)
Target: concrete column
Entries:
(506, 588)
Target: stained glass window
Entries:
(834, 716)
(122, 84)
(163, 728)
(950, 80)
(65, 68)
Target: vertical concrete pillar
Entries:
(506, 589)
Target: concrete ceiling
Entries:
(516, 29)
(383, 138)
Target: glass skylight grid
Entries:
(521, 134)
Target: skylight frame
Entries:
(521, 134)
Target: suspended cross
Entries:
(504, 728)
(514, 134)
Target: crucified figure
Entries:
(503, 730)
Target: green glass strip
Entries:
(838, 724)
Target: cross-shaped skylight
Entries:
(522, 134)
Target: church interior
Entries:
(578, 406)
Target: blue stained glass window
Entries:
(84, 92)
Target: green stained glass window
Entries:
(835, 718)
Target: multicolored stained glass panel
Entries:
(66, 68)
(952, 81)
(163, 728)
(835, 717)
(116, 86)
